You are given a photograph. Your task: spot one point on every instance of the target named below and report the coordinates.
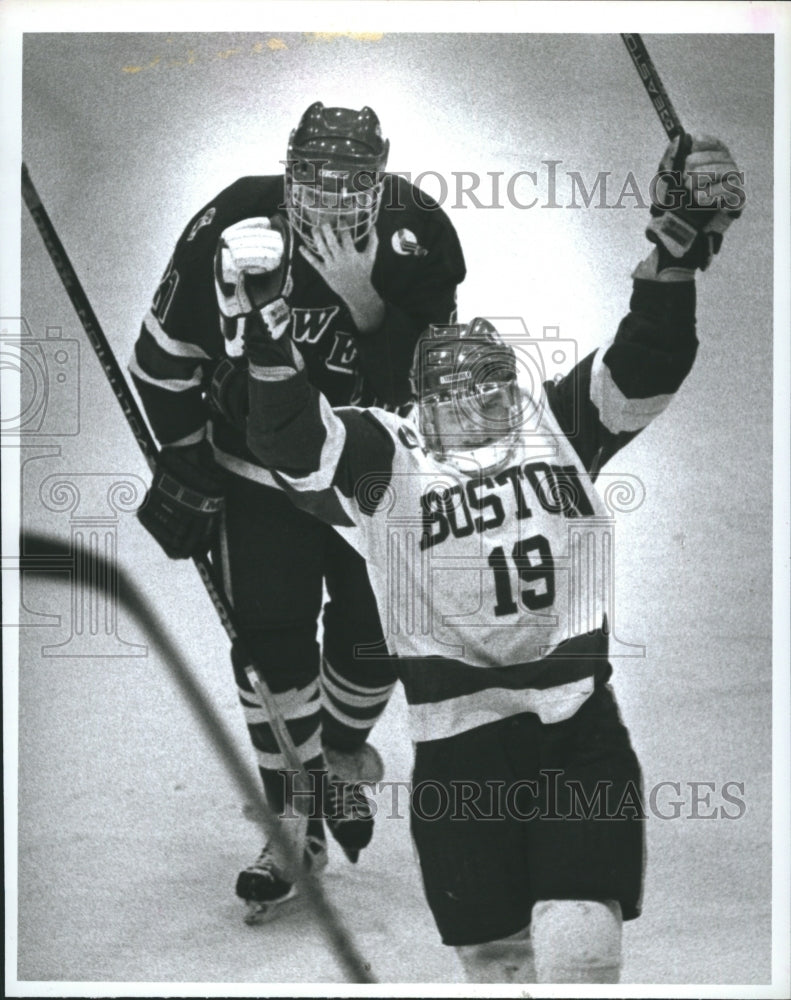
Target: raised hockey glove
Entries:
(182, 508)
(695, 196)
(251, 271)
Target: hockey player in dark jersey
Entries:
(354, 262)
(474, 515)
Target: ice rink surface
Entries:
(130, 832)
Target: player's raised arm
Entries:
(180, 336)
(621, 387)
(317, 453)
(176, 351)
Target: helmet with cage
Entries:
(469, 404)
(336, 157)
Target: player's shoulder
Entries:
(416, 227)
(251, 190)
(402, 428)
(246, 197)
(404, 203)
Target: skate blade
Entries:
(261, 913)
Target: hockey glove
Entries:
(251, 271)
(696, 194)
(182, 508)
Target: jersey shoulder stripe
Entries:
(168, 344)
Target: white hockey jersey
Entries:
(492, 590)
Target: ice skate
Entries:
(349, 814)
(265, 886)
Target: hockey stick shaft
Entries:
(52, 557)
(636, 48)
(87, 317)
(655, 89)
(148, 446)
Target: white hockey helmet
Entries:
(334, 172)
(470, 407)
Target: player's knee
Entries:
(507, 960)
(354, 643)
(577, 941)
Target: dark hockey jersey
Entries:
(492, 590)
(418, 265)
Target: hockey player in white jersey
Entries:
(467, 512)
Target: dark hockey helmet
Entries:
(468, 398)
(334, 171)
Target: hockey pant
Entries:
(276, 561)
(516, 812)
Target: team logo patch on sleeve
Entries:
(407, 437)
(205, 220)
(405, 243)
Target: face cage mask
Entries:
(474, 432)
(311, 206)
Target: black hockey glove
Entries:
(251, 270)
(183, 506)
(696, 194)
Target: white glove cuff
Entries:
(647, 270)
(277, 317)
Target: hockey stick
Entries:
(655, 89)
(50, 557)
(148, 446)
(677, 229)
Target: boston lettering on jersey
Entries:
(477, 506)
(493, 599)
